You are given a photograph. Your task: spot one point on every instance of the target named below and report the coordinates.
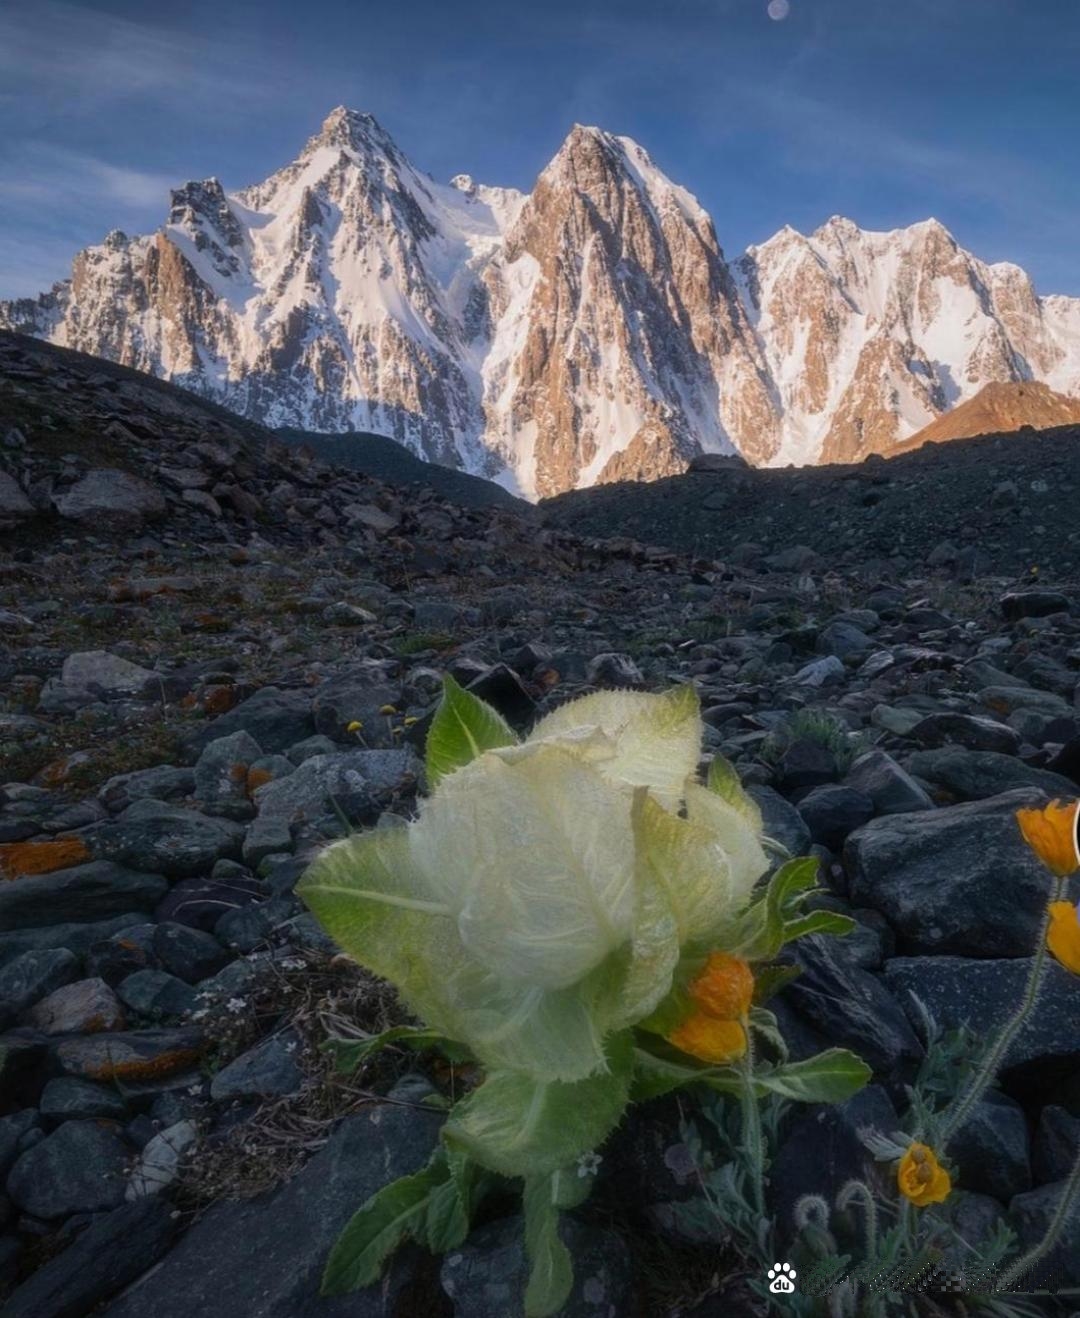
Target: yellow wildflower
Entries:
(1051, 834)
(921, 1178)
(709, 1039)
(724, 988)
(354, 726)
(1063, 935)
(387, 709)
(410, 719)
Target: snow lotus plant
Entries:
(579, 915)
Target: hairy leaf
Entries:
(551, 1270)
(830, 1077)
(464, 727)
(516, 1125)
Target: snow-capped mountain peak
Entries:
(587, 331)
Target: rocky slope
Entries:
(999, 409)
(589, 330)
(1001, 503)
(198, 691)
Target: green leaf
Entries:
(516, 1125)
(769, 980)
(551, 1270)
(818, 922)
(350, 1054)
(764, 1023)
(373, 1232)
(830, 1077)
(464, 727)
(774, 918)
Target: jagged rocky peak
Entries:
(588, 330)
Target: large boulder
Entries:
(111, 500)
(80, 1168)
(960, 879)
(85, 892)
(982, 995)
(263, 1258)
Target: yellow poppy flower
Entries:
(709, 1039)
(1051, 834)
(725, 987)
(1063, 935)
(921, 1178)
(354, 726)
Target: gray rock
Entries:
(85, 1007)
(1031, 1215)
(851, 1007)
(1006, 700)
(97, 672)
(820, 672)
(84, 892)
(14, 1129)
(275, 719)
(1032, 604)
(832, 811)
(265, 1256)
(106, 497)
(970, 730)
(983, 995)
(266, 1071)
(189, 954)
(796, 559)
(991, 1149)
(113, 1251)
(486, 1277)
(166, 839)
(975, 775)
(32, 976)
(781, 821)
(159, 1163)
(80, 1168)
(164, 782)
(891, 788)
(156, 994)
(343, 614)
(349, 781)
(68, 1098)
(221, 775)
(1056, 1146)
(959, 879)
(355, 696)
(844, 640)
(14, 505)
(75, 938)
(614, 671)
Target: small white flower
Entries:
(195, 1090)
(588, 1164)
(235, 1005)
(290, 1047)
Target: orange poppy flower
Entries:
(709, 1039)
(1051, 834)
(921, 1178)
(725, 987)
(1063, 935)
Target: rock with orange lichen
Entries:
(131, 1055)
(18, 859)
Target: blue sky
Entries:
(883, 110)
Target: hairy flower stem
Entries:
(752, 1139)
(988, 1068)
(1066, 1203)
(860, 1190)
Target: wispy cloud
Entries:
(77, 55)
